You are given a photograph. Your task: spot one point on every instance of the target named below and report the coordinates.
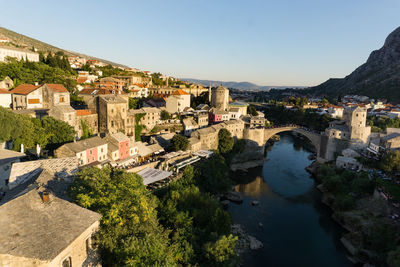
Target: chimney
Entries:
(46, 196)
(36, 83)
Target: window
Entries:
(90, 152)
(101, 150)
(112, 111)
(112, 123)
(69, 117)
(67, 262)
(62, 99)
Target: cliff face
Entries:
(379, 77)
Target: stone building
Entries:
(151, 118)
(201, 119)
(88, 118)
(90, 96)
(112, 113)
(110, 83)
(189, 125)
(87, 151)
(130, 123)
(65, 113)
(55, 95)
(40, 229)
(177, 101)
(7, 158)
(18, 53)
(220, 98)
(352, 127)
(27, 96)
(133, 79)
(5, 98)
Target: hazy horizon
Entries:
(262, 42)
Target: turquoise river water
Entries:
(297, 229)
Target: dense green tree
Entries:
(391, 161)
(393, 259)
(86, 131)
(197, 221)
(31, 72)
(21, 129)
(251, 109)
(130, 234)
(165, 115)
(179, 142)
(135, 103)
(343, 202)
(214, 175)
(225, 141)
(363, 185)
(155, 77)
(221, 252)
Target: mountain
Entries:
(379, 77)
(23, 40)
(237, 85)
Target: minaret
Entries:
(209, 93)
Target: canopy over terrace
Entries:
(151, 175)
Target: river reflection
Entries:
(297, 229)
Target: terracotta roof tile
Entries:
(24, 89)
(58, 88)
(179, 92)
(83, 112)
(4, 91)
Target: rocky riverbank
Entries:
(251, 157)
(245, 241)
(368, 212)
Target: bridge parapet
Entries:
(313, 136)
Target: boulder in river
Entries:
(254, 243)
(234, 197)
(255, 202)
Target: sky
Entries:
(276, 43)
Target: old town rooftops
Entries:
(24, 89)
(38, 230)
(57, 88)
(85, 144)
(113, 99)
(179, 92)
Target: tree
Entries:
(179, 142)
(86, 131)
(130, 234)
(225, 141)
(135, 103)
(252, 110)
(393, 258)
(165, 115)
(391, 161)
(222, 251)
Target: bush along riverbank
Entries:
(373, 233)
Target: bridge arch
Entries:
(315, 138)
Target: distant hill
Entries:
(237, 85)
(21, 39)
(379, 77)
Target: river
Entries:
(297, 229)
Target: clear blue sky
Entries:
(282, 42)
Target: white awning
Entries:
(151, 175)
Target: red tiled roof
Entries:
(81, 80)
(83, 112)
(4, 91)
(24, 89)
(179, 92)
(58, 88)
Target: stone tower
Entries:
(356, 118)
(220, 98)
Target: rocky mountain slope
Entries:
(21, 39)
(379, 77)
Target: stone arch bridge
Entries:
(314, 137)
